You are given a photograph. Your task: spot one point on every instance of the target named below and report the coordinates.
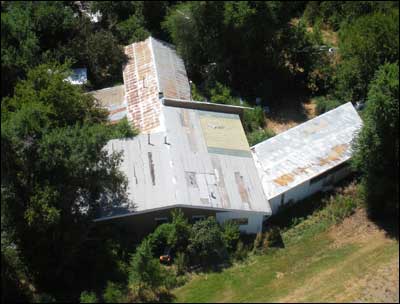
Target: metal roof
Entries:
(113, 99)
(201, 160)
(206, 106)
(307, 150)
(153, 67)
(172, 79)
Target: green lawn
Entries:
(310, 268)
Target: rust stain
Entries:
(300, 170)
(283, 180)
(241, 187)
(334, 155)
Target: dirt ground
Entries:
(288, 116)
(382, 285)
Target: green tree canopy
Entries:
(55, 175)
(377, 146)
(35, 32)
(364, 45)
(251, 46)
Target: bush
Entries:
(241, 252)
(258, 136)
(88, 297)
(145, 271)
(181, 231)
(181, 263)
(273, 238)
(231, 234)
(113, 293)
(325, 104)
(161, 238)
(258, 242)
(206, 244)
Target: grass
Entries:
(311, 268)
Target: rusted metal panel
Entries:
(141, 87)
(171, 72)
(305, 151)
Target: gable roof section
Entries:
(307, 150)
(153, 67)
(113, 100)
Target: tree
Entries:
(35, 32)
(55, 175)
(210, 37)
(336, 13)
(377, 146)
(364, 45)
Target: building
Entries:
(190, 155)
(195, 156)
(308, 158)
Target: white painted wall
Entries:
(255, 220)
(306, 189)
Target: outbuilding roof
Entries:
(307, 150)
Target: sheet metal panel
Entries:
(307, 150)
(222, 180)
(171, 72)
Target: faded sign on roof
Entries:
(224, 134)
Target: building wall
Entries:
(307, 188)
(140, 225)
(254, 220)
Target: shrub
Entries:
(162, 237)
(258, 242)
(325, 104)
(258, 136)
(241, 252)
(113, 293)
(181, 231)
(145, 271)
(253, 119)
(181, 263)
(206, 244)
(88, 297)
(231, 234)
(273, 238)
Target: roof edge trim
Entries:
(206, 106)
(101, 219)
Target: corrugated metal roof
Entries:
(153, 67)
(171, 73)
(190, 164)
(306, 150)
(113, 99)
